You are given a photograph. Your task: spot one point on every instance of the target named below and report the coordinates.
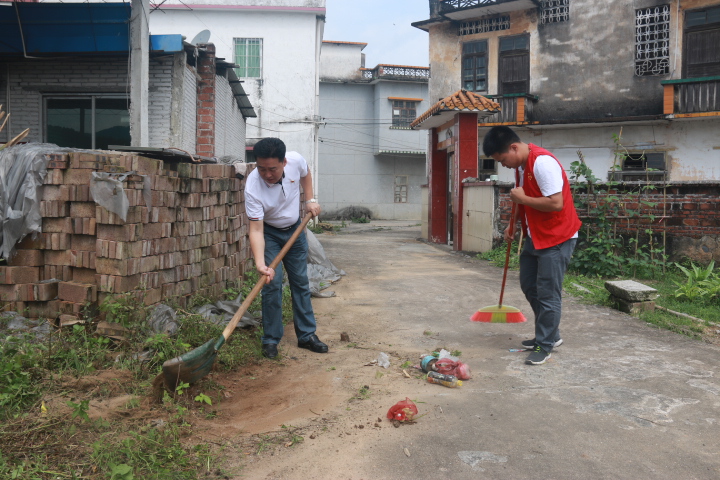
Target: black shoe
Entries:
(537, 357)
(269, 350)
(314, 344)
(530, 344)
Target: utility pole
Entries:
(139, 72)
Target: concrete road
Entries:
(620, 399)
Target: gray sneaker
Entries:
(530, 344)
(537, 357)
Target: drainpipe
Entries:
(139, 72)
(319, 29)
(7, 102)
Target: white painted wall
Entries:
(341, 61)
(286, 96)
(691, 146)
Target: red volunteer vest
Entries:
(548, 228)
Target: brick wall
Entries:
(688, 212)
(205, 145)
(192, 241)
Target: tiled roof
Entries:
(462, 100)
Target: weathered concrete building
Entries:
(369, 156)
(576, 74)
(75, 91)
(275, 46)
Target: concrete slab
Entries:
(620, 399)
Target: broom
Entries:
(502, 313)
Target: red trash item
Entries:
(451, 367)
(403, 411)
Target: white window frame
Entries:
(239, 71)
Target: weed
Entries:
(427, 333)
(496, 256)
(80, 410)
(363, 393)
(360, 220)
(202, 398)
(406, 364)
(330, 369)
(456, 353)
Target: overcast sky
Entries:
(384, 25)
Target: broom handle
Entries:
(261, 281)
(507, 253)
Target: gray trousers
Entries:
(541, 278)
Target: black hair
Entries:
(498, 140)
(270, 148)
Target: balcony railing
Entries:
(515, 109)
(396, 72)
(461, 9)
(692, 96)
(455, 4)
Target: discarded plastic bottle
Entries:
(447, 380)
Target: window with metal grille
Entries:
(403, 113)
(401, 190)
(486, 166)
(484, 25)
(248, 57)
(641, 166)
(514, 68)
(474, 66)
(701, 57)
(652, 41)
(554, 11)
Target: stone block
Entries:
(633, 308)
(631, 290)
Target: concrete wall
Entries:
(159, 103)
(352, 174)
(341, 61)
(172, 105)
(479, 223)
(691, 146)
(229, 123)
(285, 97)
(29, 81)
(387, 137)
(189, 106)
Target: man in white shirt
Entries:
(272, 203)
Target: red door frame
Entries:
(465, 142)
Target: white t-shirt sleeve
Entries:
(253, 206)
(548, 174)
(299, 162)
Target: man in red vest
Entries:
(546, 211)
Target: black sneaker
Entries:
(537, 357)
(530, 344)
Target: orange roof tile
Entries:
(462, 100)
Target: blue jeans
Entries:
(541, 278)
(295, 262)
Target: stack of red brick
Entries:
(191, 241)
